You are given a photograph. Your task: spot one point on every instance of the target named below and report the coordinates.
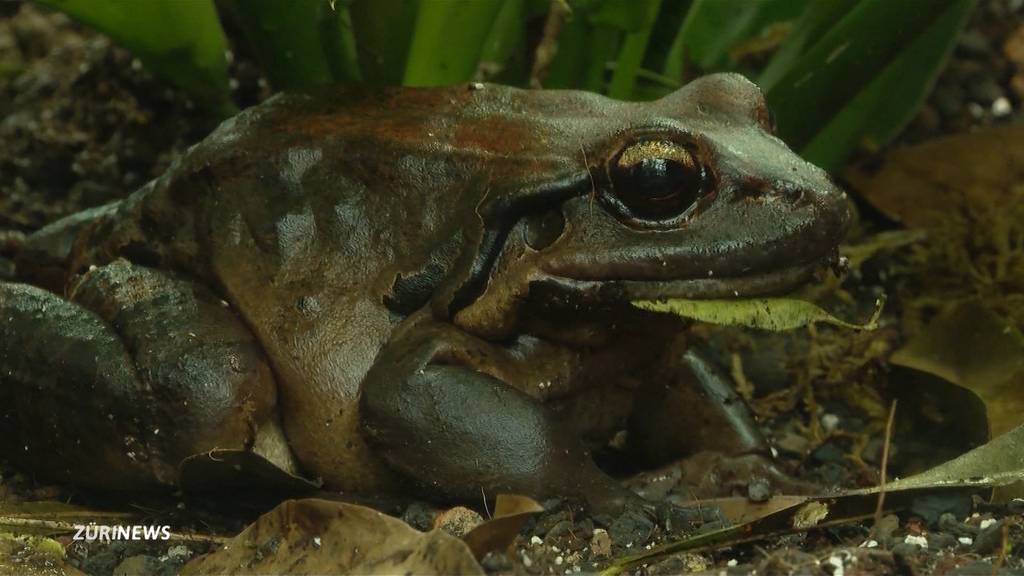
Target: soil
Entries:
(84, 124)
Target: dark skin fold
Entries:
(420, 288)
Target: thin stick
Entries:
(885, 466)
(483, 496)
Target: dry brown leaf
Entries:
(920, 184)
(510, 512)
(974, 348)
(314, 536)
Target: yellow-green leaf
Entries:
(775, 314)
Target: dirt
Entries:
(84, 124)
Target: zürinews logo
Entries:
(100, 533)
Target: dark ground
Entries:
(83, 124)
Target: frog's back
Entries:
(324, 220)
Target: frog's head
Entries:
(690, 196)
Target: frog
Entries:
(381, 290)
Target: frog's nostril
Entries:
(794, 195)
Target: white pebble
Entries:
(916, 540)
(536, 541)
(965, 540)
(986, 523)
(829, 422)
(837, 565)
(1001, 107)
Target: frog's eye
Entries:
(657, 180)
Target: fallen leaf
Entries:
(972, 347)
(857, 254)
(997, 463)
(775, 314)
(510, 512)
(314, 536)
(921, 184)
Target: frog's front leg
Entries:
(437, 407)
(691, 406)
(137, 371)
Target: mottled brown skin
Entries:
(425, 285)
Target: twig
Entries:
(546, 49)
(885, 466)
(483, 496)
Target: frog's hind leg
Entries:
(139, 370)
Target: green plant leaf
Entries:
(852, 54)
(644, 13)
(713, 27)
(503, 57)
(383, 31)
(300, 43)
(181, 42)
(447, 41)
(817, 18)
(884, 106)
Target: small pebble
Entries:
(1001, 107)
(601, 543)
(759, 490)
(990, 538)
(458, 521)
(536, 541)
(631, 528)
(916, 540)
(829, 423)
(940, 540)
(906, 549)
(838, 568)
(136, 565)
(178, 553)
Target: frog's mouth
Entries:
(778, 281)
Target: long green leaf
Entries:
(504, 50)
(179, 41)
(383, 30)
(713, 27)
(634, 46)
(299, 43)
(883, 107)
(817, 18)
(447, 41)
(850, 55)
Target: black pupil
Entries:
(656, 188)
(659, 178)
